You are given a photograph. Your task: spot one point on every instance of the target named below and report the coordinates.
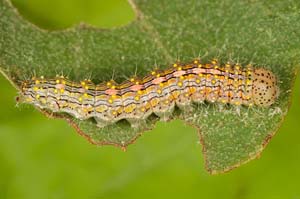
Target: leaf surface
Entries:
(163, 32)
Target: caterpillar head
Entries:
(264, 88)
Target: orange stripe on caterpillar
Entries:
(158, 93)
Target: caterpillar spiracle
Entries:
(159, 92)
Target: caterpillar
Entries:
(159, 92)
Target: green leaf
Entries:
(163, 32)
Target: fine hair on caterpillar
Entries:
(159, 92)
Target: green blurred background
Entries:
(45, 158)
